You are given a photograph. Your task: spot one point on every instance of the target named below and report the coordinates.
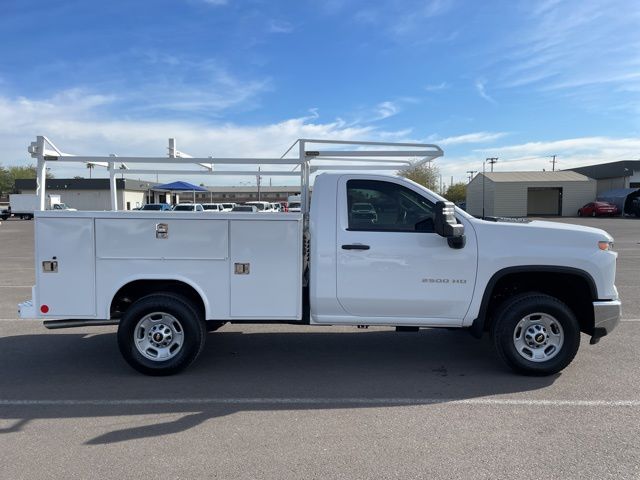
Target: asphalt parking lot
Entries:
(288, 402)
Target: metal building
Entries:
(613, 175)
(93, 193)
(521, 194)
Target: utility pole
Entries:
(258, 178)
(471, 172)
(553, 163)
(490, 160)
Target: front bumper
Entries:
(606, 316)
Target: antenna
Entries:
(471, 172)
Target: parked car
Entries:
(213, 207)
(162, 207)
(227, 207)
(188, 207)
(364, 211)
(597, 208)
(261, 206)
(276, 207)
(245, 208)
(294, 203)
(635, 207)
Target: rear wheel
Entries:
(579, 213)
(593, 214)
(161, 334)
(536, 334)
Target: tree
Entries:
(90, 166)
(9, 175)
(424, 174)
(456, 192)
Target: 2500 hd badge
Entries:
(459, 281)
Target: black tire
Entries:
(192, 327)
(579, 213)
(509, 315)
(593, 214)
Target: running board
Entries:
(90, 322)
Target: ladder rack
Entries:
(365, 156)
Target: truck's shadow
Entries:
(278, 368)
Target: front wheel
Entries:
(536, 334)
(161, 334)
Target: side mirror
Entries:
(447, 226)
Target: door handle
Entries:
(355, 246)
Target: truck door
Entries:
(390, 263)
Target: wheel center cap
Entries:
(539, 338)
(158, 337)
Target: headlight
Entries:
(605, 245)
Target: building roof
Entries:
(86, 184)
(623, 168)
(532, 177)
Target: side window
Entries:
(384, 206)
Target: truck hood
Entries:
(538, 232)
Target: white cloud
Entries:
(75, 126)
(574, 46)
(175, 84)
(386, 110)
(468, 138)
(279, 26)
(480, 87)
(407, 20)
(436, 87)
(536, 156)
(216, 3)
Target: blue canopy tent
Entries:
(180, 187)
(621, 197)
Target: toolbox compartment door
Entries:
(266, 269)
(65, 267)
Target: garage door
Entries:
(544, 201)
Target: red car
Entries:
(598, 208)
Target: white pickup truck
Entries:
(165, 279)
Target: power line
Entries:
(553, 163)
(491, 161)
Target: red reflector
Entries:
(44, 308)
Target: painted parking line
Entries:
(350, 401)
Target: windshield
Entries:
(294, 205)
(152, 207)
(259, 206)
(184, 208)
(210, 206)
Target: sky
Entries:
(520, 80)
